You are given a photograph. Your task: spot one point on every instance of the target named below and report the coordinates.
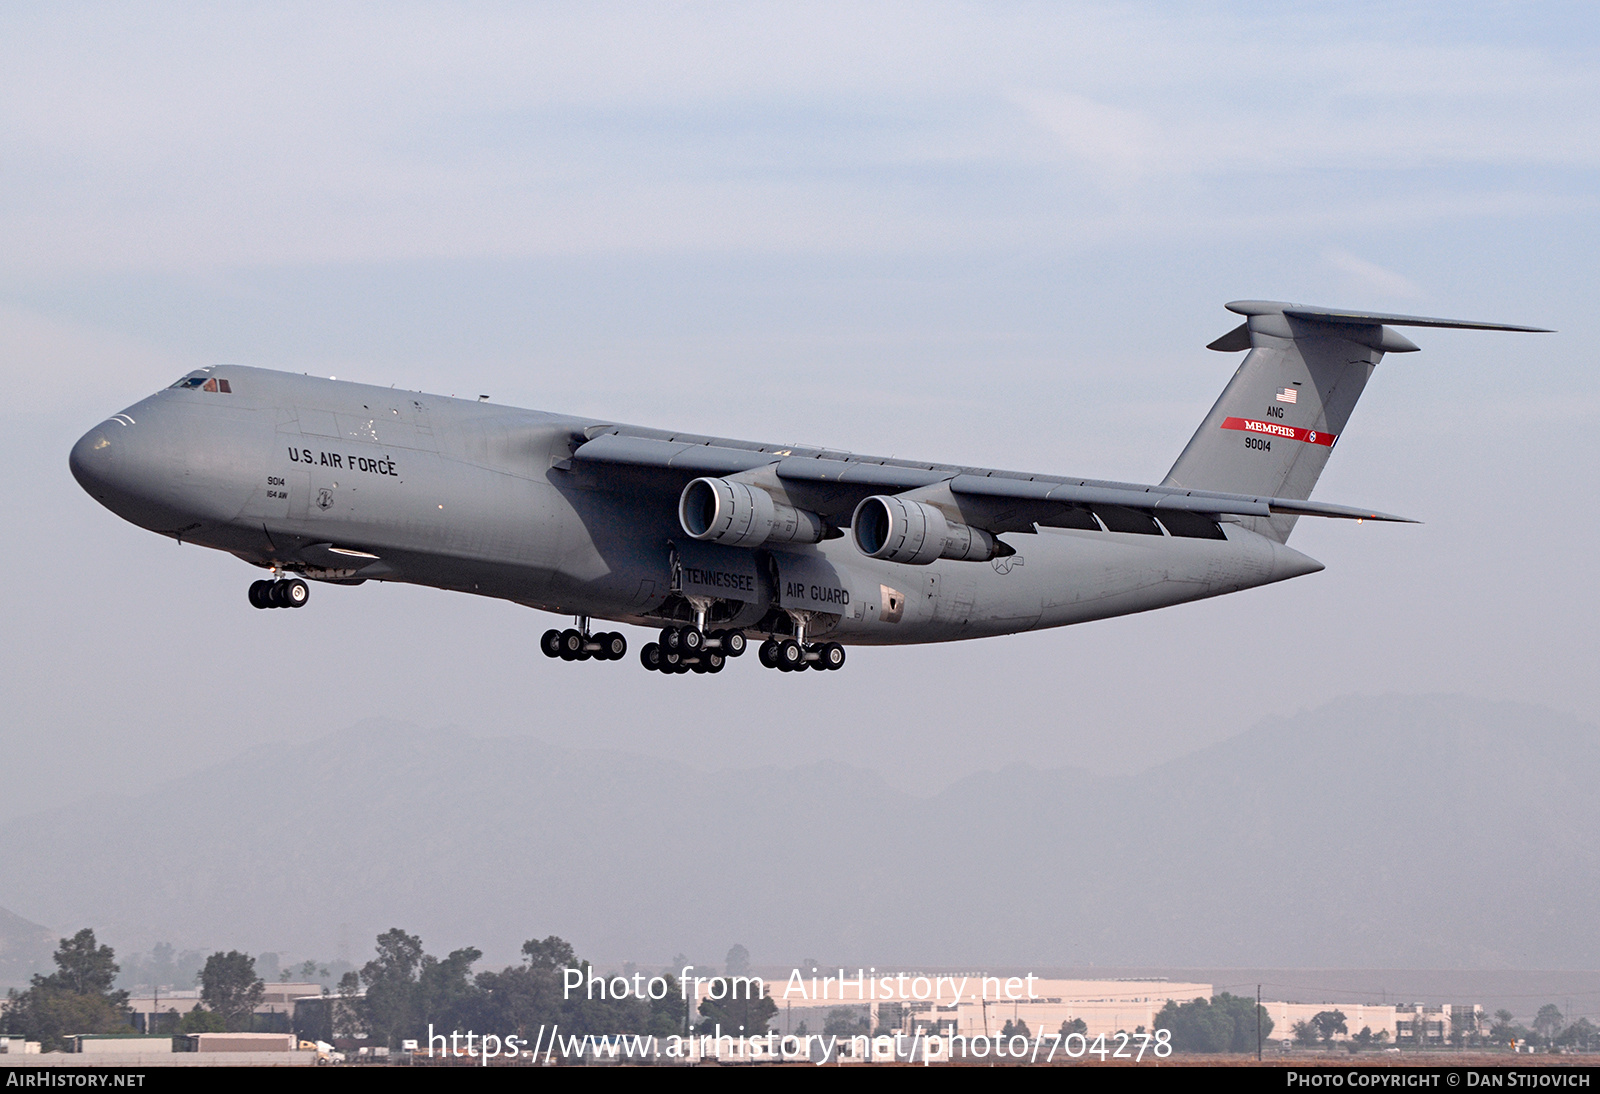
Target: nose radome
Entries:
(91, 462)
(125, 468)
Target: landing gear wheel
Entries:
(572, 646)
(550, 643)
(296, 593)
(274, 595)
(671, 660)
(692, 640)
(714, 662)
(671, 638)
(790, 656)
(650, 656)
(258, 594)
(733, 643)
(613, 646)
(832, 656)
(768, 653)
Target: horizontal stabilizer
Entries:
(1363, 318)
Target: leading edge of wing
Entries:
(706, 458)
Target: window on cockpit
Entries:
(205, 384)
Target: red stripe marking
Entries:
(1275, 429)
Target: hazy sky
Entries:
(992, 234)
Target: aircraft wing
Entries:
(838, 482)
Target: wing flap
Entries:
(1157, 498)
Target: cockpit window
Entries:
(205, 384)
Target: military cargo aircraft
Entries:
(714, 541)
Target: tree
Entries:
(739, 1010)
(1548, 1022)
(527, 996)
(1506, 1031)
(1077, 1025)
(1305, 1034)
(230, 987)
(391, 979)
(1581, 1034)
(84, 968)
(200, 1020)
(846, 1022)
(1017, 1028)
(1328, 1023)
(445, 994)
(1224, 1023)
(737, 962)
(76, 998)
(345, 1017)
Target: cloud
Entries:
(1369, 276)
(156, 137)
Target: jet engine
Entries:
(897, 530)
(739, 515)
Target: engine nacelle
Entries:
(897, 530)
(736, 514)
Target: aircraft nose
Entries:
(122, 467)
(93, 462)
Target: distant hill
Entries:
(1403, 832)
(25, 949)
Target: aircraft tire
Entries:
(832, 657)
(296, 593)
(692, 640)
(768, 654)
(650, 656)
(550, 643)
(274, 595)
(670, 638)
(734, 643)
(571, 645)
(791, 656)
(614, 646)
(714, 662)
(258, 597)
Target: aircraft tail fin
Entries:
(1275, 424)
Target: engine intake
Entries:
(736, 514)
(897, 530)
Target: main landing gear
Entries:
(577, 644)
(292, 593)
(690, 649)
(792, 656)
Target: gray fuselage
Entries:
(345, 482)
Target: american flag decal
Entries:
(1288, 395)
